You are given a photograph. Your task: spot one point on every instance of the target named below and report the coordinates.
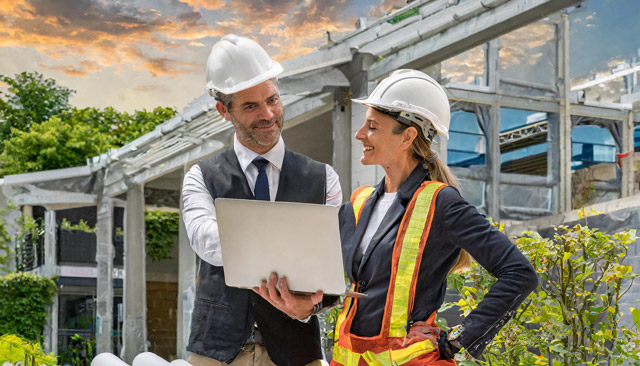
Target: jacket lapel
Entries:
(361, 227)
(393, 217)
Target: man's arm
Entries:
(199, 215)
(334, 191)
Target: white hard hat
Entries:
(237, 63)
(415, 97)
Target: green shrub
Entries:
(24, 298)
(15, 349)
(573, 318)
(80, 352)
(82, 226)
(161, 230)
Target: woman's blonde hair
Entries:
(439, 171)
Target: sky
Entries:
(146, 53)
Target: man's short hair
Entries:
(227, 99)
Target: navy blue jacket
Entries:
(456, 225)
(223, 316)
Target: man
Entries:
(232, 325)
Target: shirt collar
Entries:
(275, 156)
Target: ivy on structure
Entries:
(161, 230)
(28, 235)
(24, 298)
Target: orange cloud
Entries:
(81, 69)
(204, 4)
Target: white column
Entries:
(342, 140)
(135, 299)
(104, 269)
(48, 269)
(494, 161)
(628, 174)
(565, 118)
(186, 287)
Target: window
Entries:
(467, 144)
(523, 141)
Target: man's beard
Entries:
(249, 134)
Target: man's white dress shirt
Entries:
(199, 212)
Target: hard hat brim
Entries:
(373, 103)
(274, 72)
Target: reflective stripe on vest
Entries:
(358, 198)
(391, 347)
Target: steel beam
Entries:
(467, 34)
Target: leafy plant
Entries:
(80, 352)
(52, 144)
(574, 316)
(82, 226)
(23, 301)
(16, 349)
(161, 229)
(6, 254)
(30, 232)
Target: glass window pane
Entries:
(465, 68)
(591, 145)
(604, 42)
(523, 141)
(525, 202)
(473, 192)
(467, 143)
(529, 54)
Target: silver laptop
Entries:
(297, 240)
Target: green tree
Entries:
(140, 123)
(53, 144)
(120, 128)
(30, 99)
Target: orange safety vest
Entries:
(392, 347)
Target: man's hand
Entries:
(296, 306)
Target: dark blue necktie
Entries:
(261, 189)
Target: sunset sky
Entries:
(145, 53)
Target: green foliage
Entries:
(140, 123)
(161, 229)
(31, 99)
(115, 128)
(39, 130)
(15, 349)
(6, 254)
(80, 352)
(82, 226)
(30, 232)
(23, 301)
(574, 316)
(53, 144)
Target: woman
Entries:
(413, 229)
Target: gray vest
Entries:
(223, 317)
